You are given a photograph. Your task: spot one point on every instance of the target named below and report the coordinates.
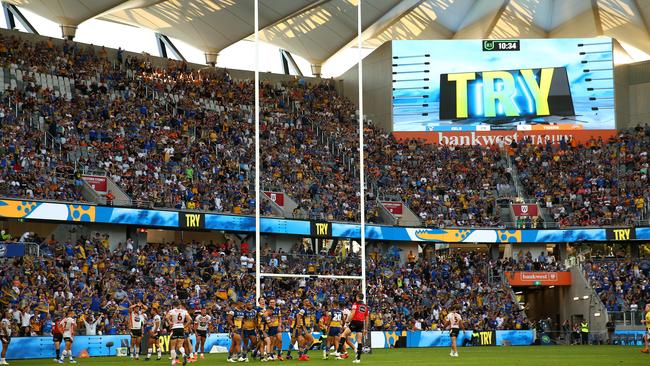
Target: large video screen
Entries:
(475, 85)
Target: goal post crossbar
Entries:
(290, 275)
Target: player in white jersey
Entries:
(179, 319)
(137, 319)
(155, 325)
(455, 323)
(69, 326)
(201, 327)
(5, 335)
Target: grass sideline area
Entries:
(484, 356)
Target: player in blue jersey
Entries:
(249, 334)
(274, 322)
(336, 321)
(303, 327)
(235, 321)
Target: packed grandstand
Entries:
(146, 128)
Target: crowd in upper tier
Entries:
(180, 138)
(99, 284)
(622, 284)
(603, 182)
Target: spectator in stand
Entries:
(622, 284)
(90, 323)
(109, 198)
(527, 263)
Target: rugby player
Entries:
(201, 327)
(455, 323)
(358, 321)
(136, 324)
(154, 327)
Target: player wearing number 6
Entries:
(180, 319)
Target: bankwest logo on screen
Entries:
(507, 93)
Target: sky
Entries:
(237, 56)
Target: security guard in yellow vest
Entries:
(584, 332)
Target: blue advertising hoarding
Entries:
(43, 347)
(441, 338)
(74, 213)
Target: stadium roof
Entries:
(319, 29)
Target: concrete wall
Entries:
(534, 249)
(587, 308)
(406, 248)
(622, 101)
(280, 242)
(16, 228)
(116, 233)
(637, 78)
(377, 86)
(170, 236)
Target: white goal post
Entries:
(362, 203)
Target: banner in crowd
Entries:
(63, 212)
(539, 278)
(436, 339)
(277, 197)
(394, 208)
(621, 234)
(8, 250)
(526, 210)
(98, 183)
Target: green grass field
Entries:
(492, 356)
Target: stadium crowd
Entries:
(99, 284)
(416, 295)
(595, 184)
(153, 132)
(526, 262)
(621, 284)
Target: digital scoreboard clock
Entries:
(500, 45)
